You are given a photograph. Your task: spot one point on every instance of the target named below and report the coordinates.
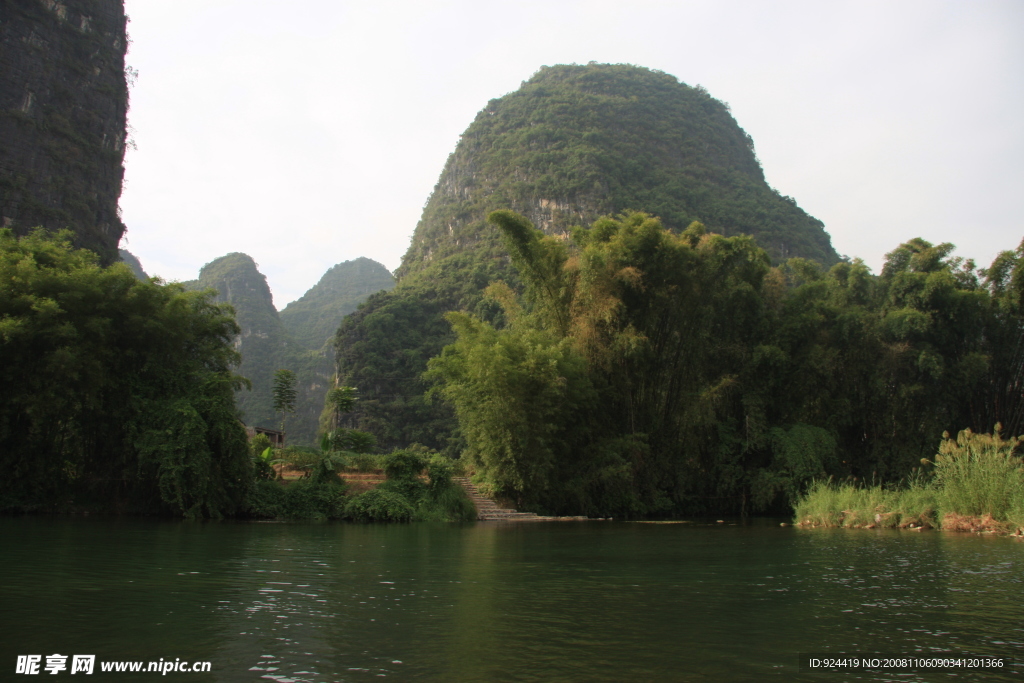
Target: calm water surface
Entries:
(591, 601)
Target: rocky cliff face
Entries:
(63, 105)
(299, 339)
(263, 342)
(312, 321)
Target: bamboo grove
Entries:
(118, 394)
(642, 372)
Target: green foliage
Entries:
(607, 389)
(258, 445)
(326, 470)
(572, 144)
(299, 458)
(342, 399)
(643, 372)
(118, 393)
(313, 318)
(980, 474)
(292, 338)
(304, 500)
(977, 483)
(379, 505)
(284, 394)
(404, 465)
(365, 462)
(263, 457)
(311, 322)
(262, 342)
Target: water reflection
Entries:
(494, 602)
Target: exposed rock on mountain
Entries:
(263, 342)
(63, 103)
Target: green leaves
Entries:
(284, 394)
(118, 394)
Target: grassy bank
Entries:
(975, 483)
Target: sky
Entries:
(310, 132)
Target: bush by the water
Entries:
(977, 484)
(379, 505)
(436, 499)
(117, 394)
(298, 500)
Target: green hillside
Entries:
(572, 144)
(313, 318)
(263, 342)
(129, 258)
(311, 321)
(298, 338)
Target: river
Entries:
(542, 601)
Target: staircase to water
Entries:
(488, 510)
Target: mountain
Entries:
(263, 342)
(572, 144)
(133, 263)
(312, 321)
(578, 142)
(314, 317)
(63, 106)
(299, 338)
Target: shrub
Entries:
(262, 456)
(267, 500)
(379, 505)
(365, 462)
(405, 464)
(298, 500)
(979, 474)
(448, 503)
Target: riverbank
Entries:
(975, 483)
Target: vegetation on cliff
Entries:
(270, 341)
(572, 144)
(262, 342)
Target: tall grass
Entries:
(976, 483)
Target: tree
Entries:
(118, 393)
(284, 394)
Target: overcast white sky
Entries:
(310, 132)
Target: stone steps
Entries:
(488, 510)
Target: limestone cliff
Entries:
(63, 105)
(263, 342)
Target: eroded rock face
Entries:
(63, 106)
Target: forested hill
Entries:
(312, 321)
(578, 142)
(313, 318)
(298, 338)
(263, 342)
(572, 144)
(130, 259)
